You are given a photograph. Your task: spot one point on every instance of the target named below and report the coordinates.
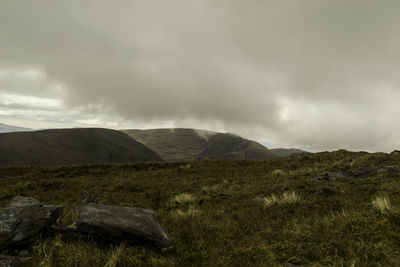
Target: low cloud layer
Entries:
(314, 74)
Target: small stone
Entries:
(224, 196)
(23, 253)
(91, 198)
(8, 261)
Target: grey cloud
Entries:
(227, 61)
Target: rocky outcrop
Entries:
(329, 176)
(24, 219)
(349, 175)
(128, 223)
(392, 170)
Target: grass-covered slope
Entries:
(171, 144)
(285, 152)
(188, 144)
(228, 146)
(229, 213)
(71, 146)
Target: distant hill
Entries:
(5, 128)
(186, 144)
(230, 146)
(71, 146)
(284, 152)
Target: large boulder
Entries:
(127, 223)
(24, 219)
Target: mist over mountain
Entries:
(185, 144)
(5, 128)
(70, 147)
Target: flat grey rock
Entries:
(359, 173)
(127, 223)
(24, 219)
(355, 173)
(330, 176)
(391, 170)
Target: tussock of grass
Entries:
(115, 256)
(190, 212)
(382, 204)
(278, 173)
(184, 198)
(287, 198)
(212, 188)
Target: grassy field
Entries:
(291, 221)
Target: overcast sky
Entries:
(319, 75)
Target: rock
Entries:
(220, 196)
(388, 170)
(345, 176)
(91, 198)
(68, 233)
(328, 190)
(8, 261)
(360, 172)
(127, 223)
(24, 219)
(23, 253)
(329, 176)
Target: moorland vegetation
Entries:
(228, 212)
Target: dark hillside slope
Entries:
(187, 144)
(171, 144)
(285, 152)
(71, 146)
(228, 146)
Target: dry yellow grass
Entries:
(382, 204)
(287, 198)
(184, 198)
(190, 212)
(278, 173)
(115, 256)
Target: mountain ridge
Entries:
(72, 147)
(175, 144)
